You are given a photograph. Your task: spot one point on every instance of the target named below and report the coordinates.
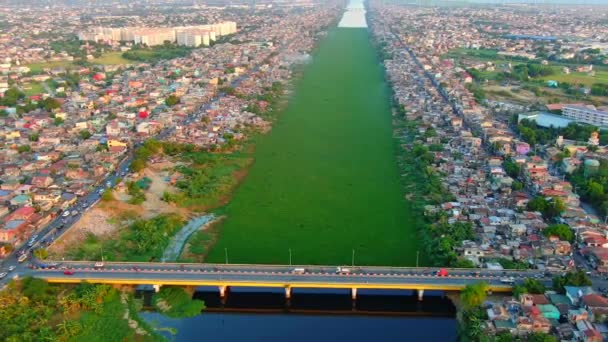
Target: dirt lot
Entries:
(106, 218)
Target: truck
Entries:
(342, 270)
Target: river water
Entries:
(312, 315)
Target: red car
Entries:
(68, 272)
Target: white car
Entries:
(2, 275)
(11, 268)
(66, 213)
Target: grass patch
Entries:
(34, 88)
(111, 58)
(325, 180)
(577, 77)
(37, 67)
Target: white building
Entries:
(586, 115)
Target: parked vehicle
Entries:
(2, 275)
(74, 212)
(65, 213)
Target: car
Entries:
(98, 265)
(65, 213)
(74, 212)
(11, 268)
(68, 272)
(2, 275)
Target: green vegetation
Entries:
(550, 208)
(474, 295)
(111, 58)
(175, 302)
(575, 278)
(156, 53)
(562, 231)
(172, 100)
(593, 186)
(534, 134)
(208, 177)
(325, 181)
(35, 88)
(33, 310)
(142, 240)
(530, 285)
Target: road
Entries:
(277, 275)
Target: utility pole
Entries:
(101, 247)
(226, 255)
(290, 257)
(417, 255)
(353, 259)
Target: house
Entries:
(574, 293)
(42, 181)
(596, 304)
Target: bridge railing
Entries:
(384, 269)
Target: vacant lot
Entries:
(325, 180)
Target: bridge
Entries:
(224, 276)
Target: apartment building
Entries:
(586, 115)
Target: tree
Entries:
(473, 295)
(50, 104)
(107, 195)
(534, 286)
(34, 137)
(84, 134)
(562, 231)
(24, 148)
(58, 121)
(575, 278)
(519, 290)
(172, 100)
(540, 337)
(550, 208)
(41, 253)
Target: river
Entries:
(313, 315)
(325, 187)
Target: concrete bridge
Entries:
(276, 276)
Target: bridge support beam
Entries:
(223, 289)
(353, 293)
(156, 287)
(420, 294)
(287, 292)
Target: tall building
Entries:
(586, 115)
(193, 36)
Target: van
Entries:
(98, 265)
(298, 270)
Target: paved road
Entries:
(250, 275)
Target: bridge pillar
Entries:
(156, 287)
(223, 289)
(287, 292)
(420, 294)
(353, 293)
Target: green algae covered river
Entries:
(325, 180)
